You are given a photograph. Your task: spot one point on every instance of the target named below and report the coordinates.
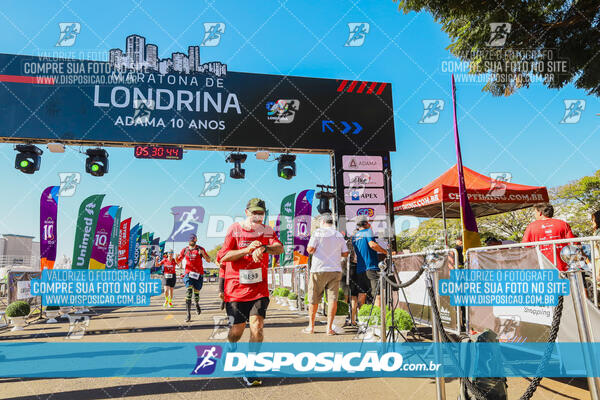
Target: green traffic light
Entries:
(95, 167)
(24, 164)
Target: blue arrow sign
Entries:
(347, 126)
(326, 124)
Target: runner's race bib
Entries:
(194, 275)
(250, 276)
(168, 276)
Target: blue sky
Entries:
(520, 134)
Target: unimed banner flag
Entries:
(287, 230)
(123, 255)
(102, 237)
(48, 211)
(86, 228)
(302, 221)
(112, 258)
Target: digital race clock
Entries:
(159, 152)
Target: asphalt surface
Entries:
(155, 323)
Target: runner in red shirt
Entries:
(246, 289)
(547, 228)
(194, 273)
(168, 263)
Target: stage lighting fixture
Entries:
(97, 162)
(324, 195)
(237, 172)
(28, 158)
(286, 167)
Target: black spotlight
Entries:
(28, 158)
(237, 172)
(324, 195)
(286, 167)
(97, 162)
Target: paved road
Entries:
(154, 323)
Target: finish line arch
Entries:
(100, 103)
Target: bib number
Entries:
(250, 276)
(168, 276)
(194, 275)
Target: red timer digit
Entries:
(159, 152)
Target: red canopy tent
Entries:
(440, 198)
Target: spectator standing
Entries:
(544, 228)
(327, 247)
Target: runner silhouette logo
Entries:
(207, 359)
(498, 33)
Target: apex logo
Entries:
(207, 359)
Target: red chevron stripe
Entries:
(351, 87)
(361, 87)
(372, 87)
(381, 87)
(342, 85)
(27, 79)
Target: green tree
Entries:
(213, 253)
(576, 200)
(429, 234)
(554, 30)
(509, 225)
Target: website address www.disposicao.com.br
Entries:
(323, 362)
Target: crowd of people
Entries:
(244, 259)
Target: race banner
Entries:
(144, 238)
(302, 222)
(86, 228)
(133, 236)
(161, 245)
(102, 237)
(112, 257)
(287, 230)
(137, 244)
(123, 255)
(185, 222)
(48, 211)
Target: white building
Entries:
(152, 56)
(19, 250)
(136, 51)
(194, 56)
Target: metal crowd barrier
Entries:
(294, 278)
(414, 298)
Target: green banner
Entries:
(144, 240)
(112, 258)
(287, 230)
(85, 231)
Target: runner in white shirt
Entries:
(327, 247)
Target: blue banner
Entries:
(91, 288)
(134, 234)
(218, 359)
(504, 287)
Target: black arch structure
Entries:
(79, 102)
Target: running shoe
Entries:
(252, 381)
(166, 303)
(170, 305)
